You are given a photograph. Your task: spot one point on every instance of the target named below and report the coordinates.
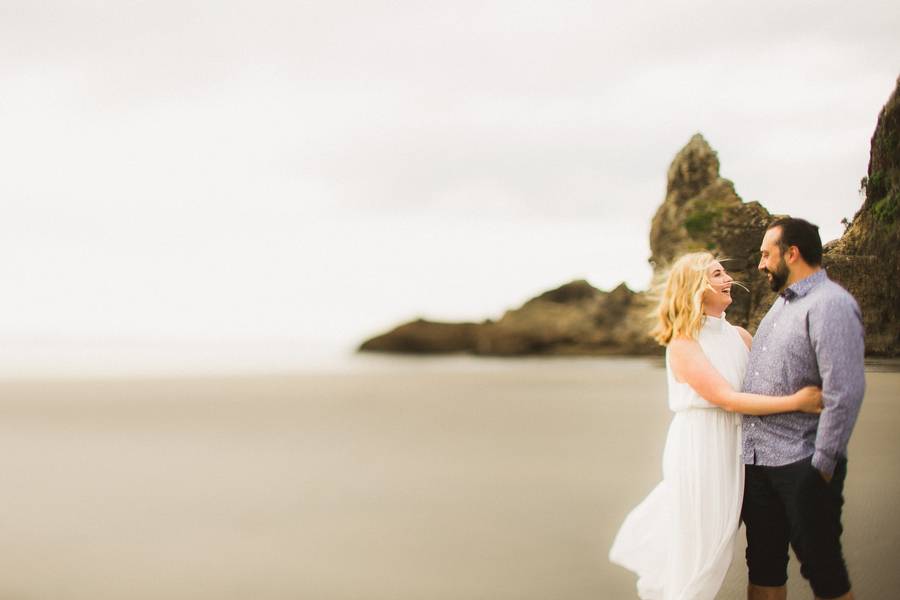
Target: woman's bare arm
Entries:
(745, 335)
(690, 365)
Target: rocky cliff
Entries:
(865, 259)
(701, 211)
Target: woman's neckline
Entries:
(715, 323)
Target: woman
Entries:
(679, 540)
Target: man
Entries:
(795, 463)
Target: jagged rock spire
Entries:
(702, 211)
(696, 204)
(696, 166)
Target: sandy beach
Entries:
(418, 479)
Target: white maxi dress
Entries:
(680, 539)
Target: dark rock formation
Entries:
(425, 337)
(575, 318)
(865, 259)
(701, 211)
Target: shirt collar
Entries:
(802, 287)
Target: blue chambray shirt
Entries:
(812, 335)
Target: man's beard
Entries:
(779, 276)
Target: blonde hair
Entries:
(680, 308)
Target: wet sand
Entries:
(424, 480)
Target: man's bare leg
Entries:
(847, 596)
(764, 592)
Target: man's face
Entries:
(772, 262)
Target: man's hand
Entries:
(827, 478)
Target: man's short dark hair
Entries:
(802, 234)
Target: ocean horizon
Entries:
(101, 359)
(76, 359)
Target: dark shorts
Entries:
(794, 505)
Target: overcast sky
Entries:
(320, 171)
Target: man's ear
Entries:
(792, 254)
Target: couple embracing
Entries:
(760, 429)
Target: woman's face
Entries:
(719, 297)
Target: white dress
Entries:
(680, 539)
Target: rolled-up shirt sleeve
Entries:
(837, 336)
